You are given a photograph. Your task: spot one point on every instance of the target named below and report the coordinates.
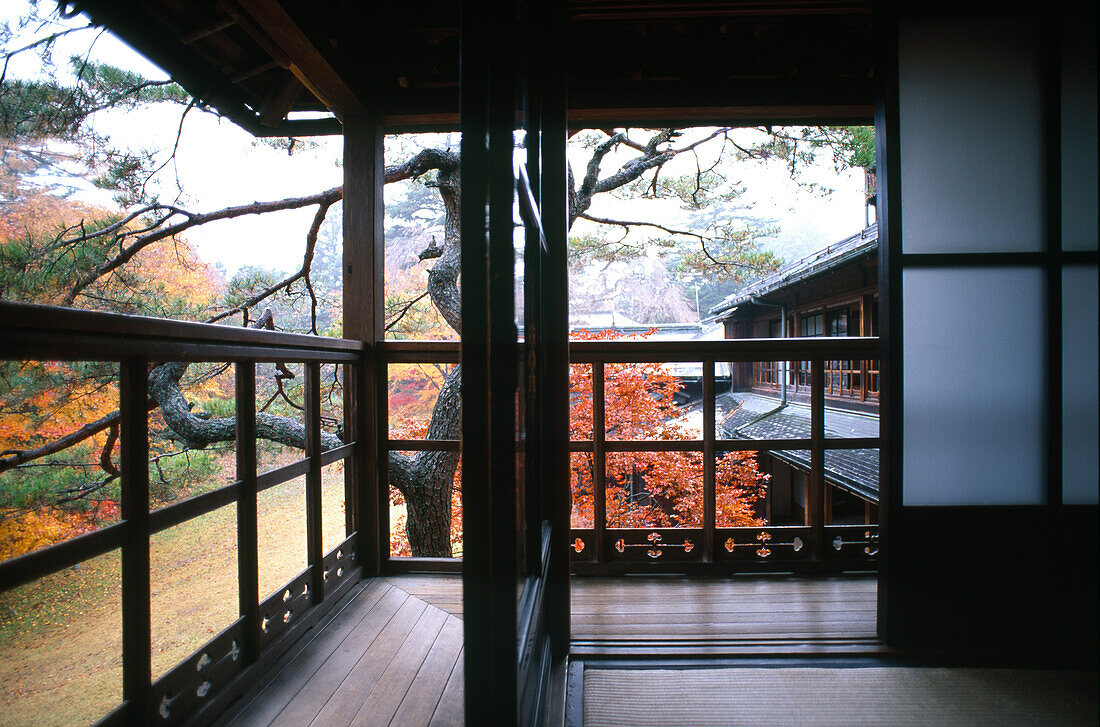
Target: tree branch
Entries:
(324, 203)
(10, 458)
(627, 224)
(127, 253)
(405, 309)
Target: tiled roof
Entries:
(818, 262)
(751, 416)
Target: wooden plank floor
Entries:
(389, 658)
(672, 608)
(393, 655)
(740, 608)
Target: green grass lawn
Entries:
(60, 636)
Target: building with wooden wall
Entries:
(831, 292)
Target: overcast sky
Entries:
(218, 164)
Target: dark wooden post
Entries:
(555, 286)
(487, 100)
(709, 494)
(364, 398)
(314, 545)
(136, 622)
(248, 558)
(815, 495)
(599, 461)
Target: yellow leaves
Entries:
(34, 529)
(43, 400)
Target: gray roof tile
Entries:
(744, 415)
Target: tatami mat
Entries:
(837, 696)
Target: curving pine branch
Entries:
(158, 229)
(131, 246)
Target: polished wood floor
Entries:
(393, 655)
(739, 609)
(675, 608)
(388, 658)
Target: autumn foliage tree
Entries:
(651, 489)
(75, 489)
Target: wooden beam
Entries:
(280, 101)
(208, 29)
(307, 61)
(254, 71)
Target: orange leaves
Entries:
(33, 529)
(651, 489)
(43, 400)
(175, 270)
(413, 389)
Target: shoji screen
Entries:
(996, 115)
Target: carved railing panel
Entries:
(764, 544)
(582, 545)
(281, 608)
(851, 543)
(654, 545)
(338, 564)
(709, 547)
(206, 677)
(192, 683)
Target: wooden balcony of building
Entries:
(392, 654)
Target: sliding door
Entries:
(987, 142)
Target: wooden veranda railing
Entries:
(202, 684)
(219, 671)
(604, 549)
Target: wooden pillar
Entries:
(364, 399)
(599, 460)
(795, 366)
(487, 99)
(709, 484)
(136, 620)
(866, 305)
(248, 559)
(314, 542)
(555, 286)
(815, 495)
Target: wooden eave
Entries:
(260, 62)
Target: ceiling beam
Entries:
(279, 103)
(306, 60)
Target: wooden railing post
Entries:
(314, 547)
(136, 621)
(709, 486)
(599, 460)
(248, 557)
(363, 307)
(815, 494)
